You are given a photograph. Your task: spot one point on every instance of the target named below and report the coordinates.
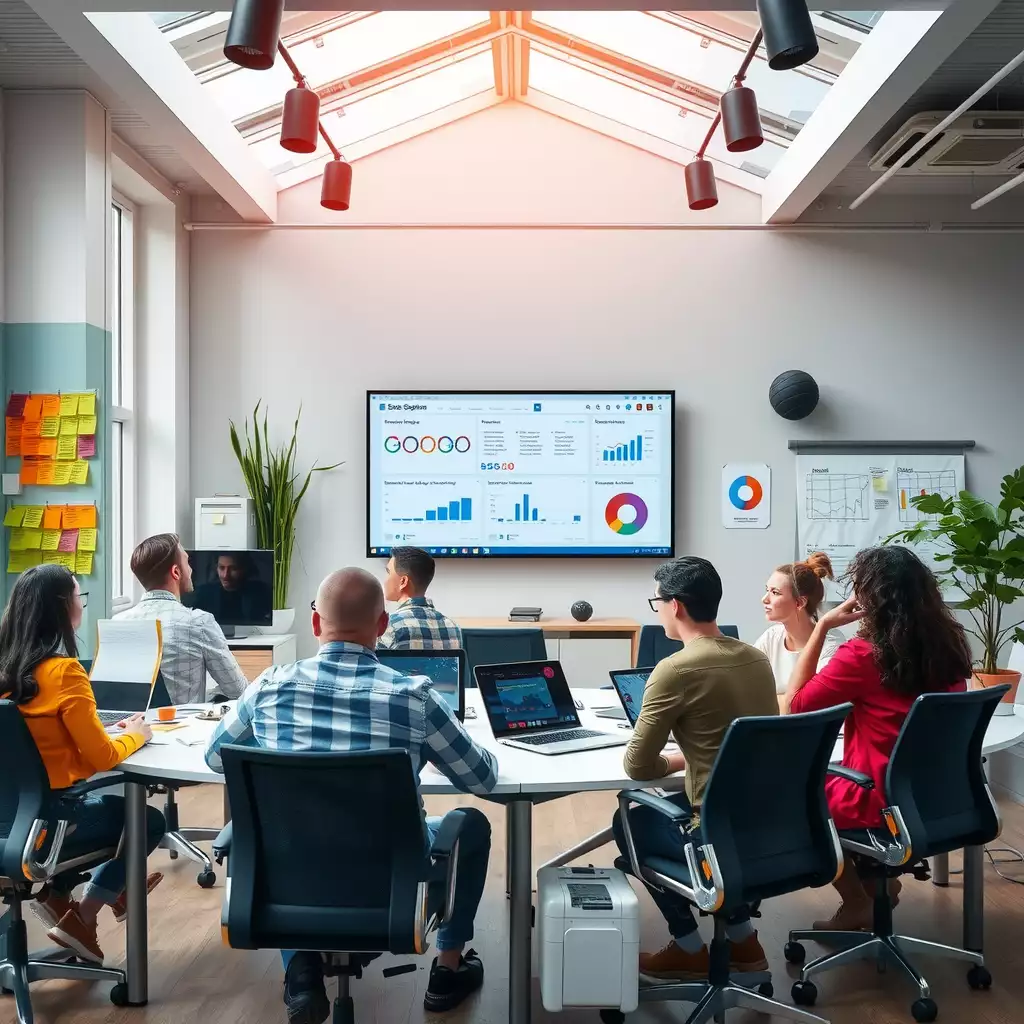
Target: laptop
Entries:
(630, 684)
(446, 670)
(126, 668)
(116, 701)
(529, 705)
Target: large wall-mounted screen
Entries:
(521, 474)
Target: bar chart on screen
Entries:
(419, 510)
(539, 507)
(623, 443)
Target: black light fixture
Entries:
(253, 32)
(300, 122)
(337, 185)
(789, 37)
(741, 120)
(701, 189)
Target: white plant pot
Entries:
(283, 621)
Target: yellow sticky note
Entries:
(63, 472)
(51, 538)
(49, 426)
(45, 471)
(57, 558)
(52, 516)
(19, 561)
(17, 542)
(79, 471)
(68, 425)
(880, 483)
(32, 540)
(87, 540)
(33, 517)
(87, 424)
(83, 563)
(87, 404)
(219, 519)
(67, 447)
(69, 405)
(51, 405)
(15, 514)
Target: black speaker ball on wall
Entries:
(581, 611)
(793, 394)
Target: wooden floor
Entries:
(194, 978)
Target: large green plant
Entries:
(272, 480)
(981, 554)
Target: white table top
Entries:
(520, 771)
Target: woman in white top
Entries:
(793, 594)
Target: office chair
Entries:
(329, 852)
(936, 804)
(762, 834)
(502, 647)
(654, 645)
(29, 813)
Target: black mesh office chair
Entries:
(654, 645)
(501, 647)
(763, 834)
(939, 801)
(33, 823)
(359, 880)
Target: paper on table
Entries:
(62, 473)
(51, 540)
(16, 405)
(67, 447)
(87, 404)
(19, 561)
(87, 539)
(86, 445)
(33, 407)
(83, 563)
(15, 514)
(69, 405)
(49, 426)
(33, 516)
(68, 541)
(51, 405)
(127, 651)
(52, 517)
(87, 424)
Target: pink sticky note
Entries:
(86, 446)
(68, 541)
(16, 404)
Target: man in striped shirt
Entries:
(344, 699)
(416, 624)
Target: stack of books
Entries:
(524, 615)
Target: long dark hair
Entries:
(36, 625)
(919, 645)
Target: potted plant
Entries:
(981, 554)
(272, 481)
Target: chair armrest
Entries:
(444, 856)
(671, 811)
(79, 789)
(222, 844)
(851, 775)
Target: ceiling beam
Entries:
(134, 58)
(891, 65)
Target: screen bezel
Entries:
(618, 687)
(551, 391)
(235, 551)
(455, 652)
(519, 670)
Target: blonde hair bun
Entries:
(820, 564)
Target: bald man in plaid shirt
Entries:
(344, 699)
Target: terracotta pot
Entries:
(999, 678)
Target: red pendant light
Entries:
(300, 123)
(337, 185)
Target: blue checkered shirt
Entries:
(345, 699)
(417, 625)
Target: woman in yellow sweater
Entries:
(40, 672)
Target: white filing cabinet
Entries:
(225, 521)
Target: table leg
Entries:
(520, 961)
(940, 869)
(137, 925)
(974, 898)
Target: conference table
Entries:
(524, 779)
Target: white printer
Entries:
(588, 927)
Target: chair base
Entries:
(181, 843)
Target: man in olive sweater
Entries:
(692, 697)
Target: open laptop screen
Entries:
(526, 696)
(630, 685)
(446, 670)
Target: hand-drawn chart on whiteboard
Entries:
(849, 502)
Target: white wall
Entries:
(909, 336)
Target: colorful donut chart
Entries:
(614, 506)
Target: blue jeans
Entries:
(474, 852)
(655, 836)
(98, 822)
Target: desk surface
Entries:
(556, 624)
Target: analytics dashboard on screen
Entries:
(492, 474)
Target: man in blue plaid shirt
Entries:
(416, 624)
(344, 699)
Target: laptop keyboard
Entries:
(542, 739)
(112, 717)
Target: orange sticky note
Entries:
(51, 405)
(44, 473)
(12, 440)
(28, 472)
(79, 517)
(32, 428)
(52, 516)
(30, 445)
(47, 446)
(34, 407)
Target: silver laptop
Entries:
(630, 684)
(116, 701)
(529, 705)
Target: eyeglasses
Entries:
(312, 605)
(653, 601)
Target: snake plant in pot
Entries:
(277, 489)
(980, 553)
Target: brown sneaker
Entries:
(120, 905)
(73, 933)
(674, 962)
(747, 956)
(847, 919)
(50, 906)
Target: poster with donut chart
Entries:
(746, 496)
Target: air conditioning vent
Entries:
(979, 143)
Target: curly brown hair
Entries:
(919, 646)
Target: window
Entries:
(121, 519)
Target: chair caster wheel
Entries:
(978, 977)
(612, 1017)
(794, 953)
(119, 994)
(206, 879)
(924, 1010)
(804, 993)
(767, 990)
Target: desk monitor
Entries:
(446, 670)
(630, 684)
(235, 587)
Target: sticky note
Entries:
(87, 424)
(76, 516)
(58, 558)
(33, 407)
(12, 436)
(219, 519)
(68, 541)
(30, 445)
(87, 539)
(17, 540)
(62, 473)
(19, 561)
(15, 514)
(67, 447)
(83, 563)
(33, 517)
(49, 426)
(86, 446)
(16, 405)
(47, 446)
(28, 473)
(68, 425)
(68, 405)
(52, 516)
(45, 472)
(78, 472)
(880, 482)
(87, 404)
(51, 405)
(32, 428)
(26, 540)
(51, 540)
